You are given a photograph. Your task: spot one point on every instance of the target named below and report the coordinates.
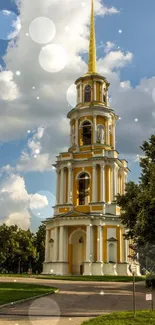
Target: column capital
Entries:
(102, 165)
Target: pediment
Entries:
(112, 239)
(73, 213)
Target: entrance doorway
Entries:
(78, 251)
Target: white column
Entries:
(65, 246)
(102, 93)
(107, 132)
(94, 180)
(114, 181)
(113, 134)
(61, 244)
(69, 184)
(47, 245)
(57, 187)
(94, 90)
(62, 186)
(88, 244)
(99, 244)
(76, 132)
(102, 198)
(92, 243)
(94, 129)
(56, 237)
(110, 185)
(80, 93)
(107, 97)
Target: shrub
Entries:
(150, 281)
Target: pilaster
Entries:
(61, 244)
(99, 244)
(94, 129)
(102, 198)
(88, 244)
(69, 184)
(94, 189)
(62, 186)
(47, 245)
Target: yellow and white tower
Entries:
(85, 235)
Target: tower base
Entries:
(97, 268)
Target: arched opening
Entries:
(84, 189)
(78, 241)
(112, 252)
(104, 95)
(87, 93)
(86, 132)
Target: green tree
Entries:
(138, 203)
(40, 247)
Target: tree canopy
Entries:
(138, 203)
(21, 249)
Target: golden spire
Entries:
(92, 44)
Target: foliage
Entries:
(138, 204)
(21, 249)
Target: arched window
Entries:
(84, 189)
(104, 95)
(87, 93)
(112, 252)
(86, 132)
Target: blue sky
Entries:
(136, 21)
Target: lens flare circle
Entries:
(42, 308)
(41, 204)
(42, 30)
(71, 95)
(53, 58)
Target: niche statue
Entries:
(100, 134)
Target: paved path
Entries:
(75, 302)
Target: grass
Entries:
(124, 318)
(11, 292)
(100, 278)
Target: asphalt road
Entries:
(75, 302)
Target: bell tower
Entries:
(86, 231)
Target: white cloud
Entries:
(15, 202)
(8, 88)
(25, 112)
(109, 46)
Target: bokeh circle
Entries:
(41, 204)
(71, 95)
(42, 30)
(46, 311)
(53, 58)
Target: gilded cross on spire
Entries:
(92, 44)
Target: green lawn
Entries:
(124, 318)
(104, 278)
(10, 292)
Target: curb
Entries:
(27, 299)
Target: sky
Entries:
(43, 50)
